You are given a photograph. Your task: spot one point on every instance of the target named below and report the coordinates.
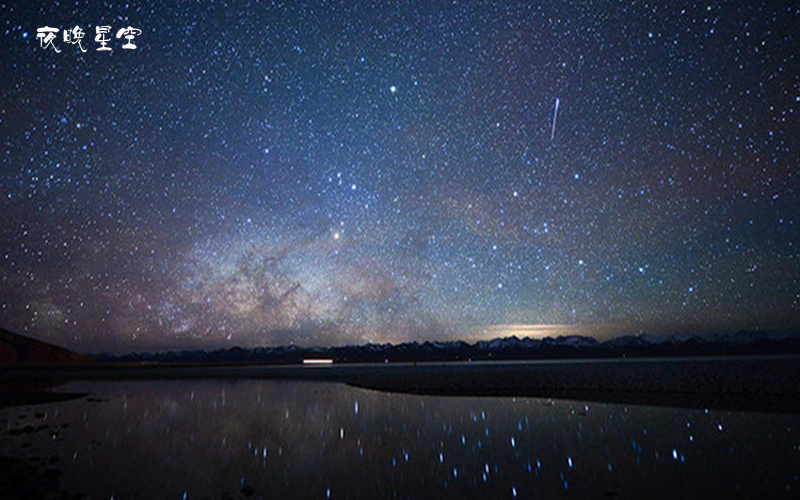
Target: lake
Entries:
(231, 438)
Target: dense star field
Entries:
(329, 173)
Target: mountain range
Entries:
(507, 348)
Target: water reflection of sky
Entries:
(208, 439)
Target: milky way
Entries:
(328, 174)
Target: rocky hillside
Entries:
(17, 349)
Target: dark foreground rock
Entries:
(22, 481)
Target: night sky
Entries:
(328, 173)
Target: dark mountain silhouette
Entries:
(508, 348)
(18, 349)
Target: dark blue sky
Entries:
(328, 173)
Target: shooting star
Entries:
(555, 117)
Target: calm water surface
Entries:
(282, 439)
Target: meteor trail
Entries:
(555, 117)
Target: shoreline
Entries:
(757, 383)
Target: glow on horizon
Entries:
(538, 331)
